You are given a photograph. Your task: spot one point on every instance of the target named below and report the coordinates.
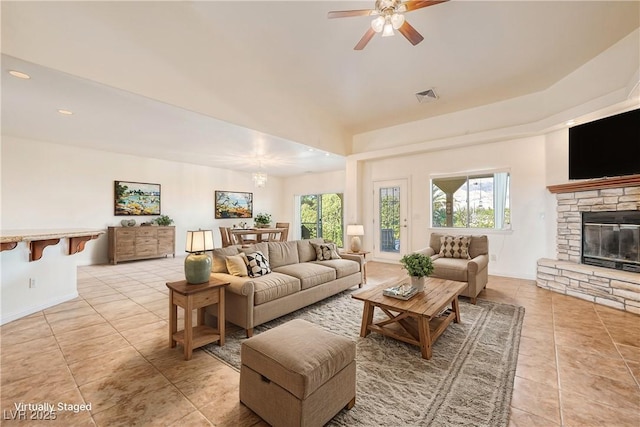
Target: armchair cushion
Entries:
(455, 247)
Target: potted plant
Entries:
(164, 220)
(262, 220)
(418, 267)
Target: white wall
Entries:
(605, 80)
(557, 172)
(55, 186)
(517, 250)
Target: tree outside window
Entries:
(473, 201)
(321, 216)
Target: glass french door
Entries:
(321, 216)
(390, 221)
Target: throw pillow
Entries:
(326, 251)
(257, 264)
(237, 265)
(455, 247)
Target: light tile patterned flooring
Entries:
(579, 363)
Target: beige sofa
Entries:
(474, 271)
(297, 280)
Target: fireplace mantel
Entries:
(596, 184)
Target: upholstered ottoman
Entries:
(298, 374)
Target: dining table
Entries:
(244, 235)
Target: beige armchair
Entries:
(474, 271)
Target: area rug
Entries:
(467, 382)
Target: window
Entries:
(472, 201)
(321, 216)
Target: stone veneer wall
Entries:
(614, 288)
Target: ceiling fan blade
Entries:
(414, 5)
(365, 39)
(410, 33)
(350, 13)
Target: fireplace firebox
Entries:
(611, 240)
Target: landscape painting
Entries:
(231, 204)
(136, 198)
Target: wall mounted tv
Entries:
(606, 147)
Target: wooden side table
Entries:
(364, 261)
(190, 297)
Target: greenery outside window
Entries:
(321, 216)
(471, 201)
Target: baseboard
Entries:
(31, 310)
(513, 275)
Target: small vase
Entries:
(418, 283)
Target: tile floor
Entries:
(579, 363)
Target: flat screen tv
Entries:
(606, 147)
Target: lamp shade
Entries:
(355, 230)
(199, 241)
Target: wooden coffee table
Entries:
(418, 321)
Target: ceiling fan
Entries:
(389, 17)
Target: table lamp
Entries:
(355, 231)
(197, 265)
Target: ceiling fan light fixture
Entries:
(397, 20)
(377, 24)
(388, 30)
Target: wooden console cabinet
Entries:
(132, 243)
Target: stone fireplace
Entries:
(597, 249)
(611, 240)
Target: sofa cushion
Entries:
(237, 265)
(257, 264)
(343, 267)
(273, 286)
(310, 274)
(219, 258)
(256, 247)
(306, 251)
(450, 268)
(283, 253)
(454, 247)
(325, 251)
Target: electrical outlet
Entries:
(32, 283)
(493, 257)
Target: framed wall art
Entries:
(234, 204)
(136, 198)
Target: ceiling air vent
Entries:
(426, 96)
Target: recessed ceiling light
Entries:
(19, 74)
(65, 112)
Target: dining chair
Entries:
(285, 233)
(227, 238)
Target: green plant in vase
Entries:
(418, 267)
(164, 220)
(262, 220)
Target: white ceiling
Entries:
(286, 59)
